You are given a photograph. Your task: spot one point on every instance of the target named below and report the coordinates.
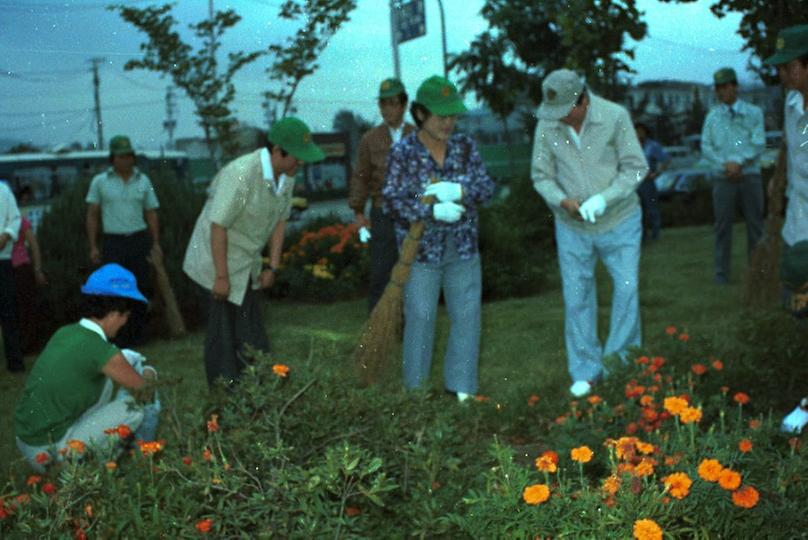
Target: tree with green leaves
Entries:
(354, 124)
(297, 59)
(194, 71)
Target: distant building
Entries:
(488, 128)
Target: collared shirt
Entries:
(249, 207)
(397, 133)
(411, 169)
(655, 155)
(122, 203)
(608, 160)
(371, 166)
(93, 326)
(9, 220)
(795, 228)
(734, 134)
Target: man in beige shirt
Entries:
(367, 182)
(587, 164)
(248, 204)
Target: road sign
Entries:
(410, 20)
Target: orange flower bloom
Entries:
(536, 494)
(204, 526)
(698, 369)
(280, 370)
(479, 398)
(582, 454)
(352, 511)
(594, 399)
(684, 337)
(33, 480)
(724, 390)
(532, 400)
(754, 423)
(611, 484)
(674, 405)
(670, 461)
(49, 489)
(88, 509)
(742, 398)
(645, 448)
(647, 401)
(718, 365)
(647, 529)
(729, 479)
(644, 468)
(745, 446)
(677, 484)
(149, 448)
(42, 458)
(206, 454)
(746, 497)
(76, 445)
(111, 466)
(545, 463)
(710, 470)
(642, 360)
(690, 415)
(213, 423)
(187, 461)
(670, 330)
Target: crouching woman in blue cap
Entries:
(69, 393)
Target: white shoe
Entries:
(462, 396)
(796, 419)
(580, 388)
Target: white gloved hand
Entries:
(364, 235)
(445, 191)
(593, 208)
(447, 211)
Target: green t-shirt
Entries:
(65, 381)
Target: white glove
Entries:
(593, 208)
(364, 235)
(447, 211)
(445, 191)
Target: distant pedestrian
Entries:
(249, 202)
(587, 164)
(732, 141)
(367, 182)
(26, 258)
(9, 229)
(658, 160)
(435, 161)
(124, 199)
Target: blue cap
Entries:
(113, 280)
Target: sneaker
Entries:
(580, 388)
(796, 419)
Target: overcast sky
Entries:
(46, 93)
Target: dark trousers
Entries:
(651, 218)
(231, 331)
(383, 254)
(8, 317)
(27, 304)
(130, 251)
(725, 198)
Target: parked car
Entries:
(676, 181)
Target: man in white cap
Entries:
(587, 164)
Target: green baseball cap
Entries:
(724, 76)
(440, 97)
(294, 136)
(391, 88)
(120, 145)
(792, 42)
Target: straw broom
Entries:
(383, 328)
(762, 287)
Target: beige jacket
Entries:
(249, 207)
(609, 161)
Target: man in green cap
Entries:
(791, 59)
(367, 182)
(248, 204)
(124, 199)
(732, 141)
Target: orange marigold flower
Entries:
(724, 390)
(48, 489)
(24, 498)
(647, 529)
(149, 448)
(674, 405)
(594, 399)
(642, 360)
(644, 468)
(698, 369)
(729, 479)
(33, 480)
(754, 423)
(685, 337)
(561, 419)
(678, 484)
(690, 415)
(187, 461)
(718, 365)
(657, 362)
(746, 497)
(111, 466)
(88, 509)
(670, 461)
(532, 400)
(645, 448)
(213, 423)
(281, 370)
(741, 398)
(611, 484)
(206, 454)
(710, 469)
(545, 464)
(352, 511)
(204, 525)
(536, 494)
(647, 401)
(42, 458)
(481, 398)
(582, 454)
(745, 446)
(76, 445)
(670, 330)
(625, 468)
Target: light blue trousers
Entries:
(462, 285)
(619, 249)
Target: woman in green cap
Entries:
(435, 161)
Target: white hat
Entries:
(560, 91)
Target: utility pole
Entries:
(96, 84)
(270, 112)
(394, 37)
(170, 123)
(443, 39)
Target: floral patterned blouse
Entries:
(410, 169)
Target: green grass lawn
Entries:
(522, 340)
